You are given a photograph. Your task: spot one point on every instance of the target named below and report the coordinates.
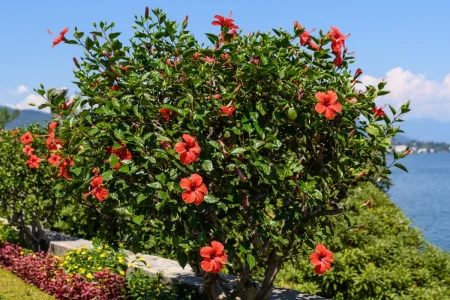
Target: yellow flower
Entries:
(89, 276)
(142, 259)
(84, 247)
(78, 251)
(122, 273)
(83, 253)
(90, 257)
(67, 279)
(148, 266)
(102, 255)
(83, 271)
(120, 261)
(21, 252)
(75, 267)
(99, 268)
(106, 246)
(120, 245)
(130, 265)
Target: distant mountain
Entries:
(427, 130)
(27, 117)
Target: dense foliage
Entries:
(247, 144)
(381, 257)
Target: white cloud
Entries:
(429, 98)
(21, 89)
(25, 104)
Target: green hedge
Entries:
(388, 259)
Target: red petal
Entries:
(320, 269)
(188, 196)
(320, 108)
(321, 96)
(207, 265)
(180, 147)
(332, 97)
(190, 140)
(314, 258)
(217, 266)
(203, 189)
(64, 31)
(222, 258)
(101, 194)
(217, 247)
(329, 114)
(186, 183)
(206, 251)
(336, 107)
(198, 198)
(196, 180)
(320, 248)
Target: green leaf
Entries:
(237, 150)
(138, 219)
(76, 171)
(372, 130)
(401, 167)
(211, 199)
(113, 35)
(251, 261)
(155, 185)
(207, 165)
(140, 198)
(107, 175)
(182, 259)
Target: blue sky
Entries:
(405, 42)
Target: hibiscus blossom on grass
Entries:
(321, 259)
(195, 189)
(213, 257)
(328, 105)
(189, 150)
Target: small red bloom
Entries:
(305, 38)
(115, 88)
(337, 39)
(52, 126)
(224, 22)
(54, 159)
(338, 59)
(378, 111)
(59, 38)
(33, 162)
(213, 257)
(98, 190)
(64, 168)
(28, 150)
(195, 189)
(254, 60)
(26, 138)
(196, 55)
(15, 132)
(321, 259)
(209, 60)
(166, 113)
(217, 96)
(189, 150)
(229, 110)
(328, 105)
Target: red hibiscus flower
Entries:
(195, 189)
(166, 113)
(189, 150)
(328, 105)
(54, 159)
(26, 138)
(28, 150)
(213, 257)
(224, 22)
(321, 259)
(196, 55)
(229, 110)
(52, 126)
(378, 111)
(337, 39)
(59, 38)
(64, 168)
(33, 162)
(209, 60)
(98, 190)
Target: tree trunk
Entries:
(274, 265)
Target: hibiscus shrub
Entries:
(28, 177)
(248, 144)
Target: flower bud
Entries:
(357, 73)
(351, 133)
(94, 36)
(236, 90)
(185, 22)
(364, 172)
(404, 154)
(75, 61)
(146, 12)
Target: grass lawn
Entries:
(12, 288)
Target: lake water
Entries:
(424, 194)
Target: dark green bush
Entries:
(385, 259)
